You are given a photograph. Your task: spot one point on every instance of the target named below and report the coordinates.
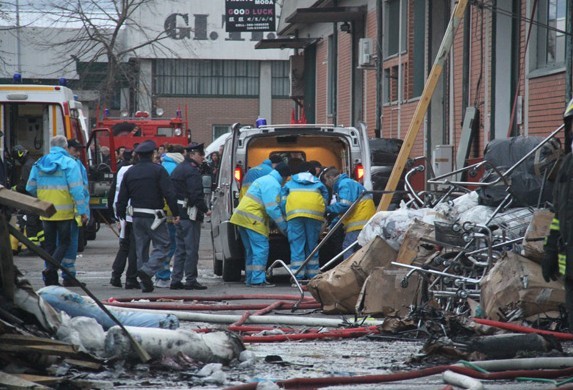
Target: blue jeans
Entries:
(57, 248)
(69, 260)
(349, 238)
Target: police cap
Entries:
(195, 147)
(146, 147)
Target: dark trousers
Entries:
(57, 248)
(144, 237)
(186, 258)
(34, 229)
(126, 254)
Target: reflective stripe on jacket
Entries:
(304, 196)
(261, 202)
(56, 178)
(347, 191)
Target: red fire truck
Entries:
(111, 133)
(129, 131)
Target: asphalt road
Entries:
(315, 358)
(94, 269)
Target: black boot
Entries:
(115, 281)
(50, 277)
(146, 282)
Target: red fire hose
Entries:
(523, 329)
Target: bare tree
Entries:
(95, 34)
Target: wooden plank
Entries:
(41, 379)
(21, 339)
(20, 381)
(25, 202)
(59, 350)
(423, 104)
(84, 364)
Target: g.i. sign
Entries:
(249, 15)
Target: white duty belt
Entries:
(191, 211)
(159, 215)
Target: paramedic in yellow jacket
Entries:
(304, 202)
(56, 178)
(261, 202)
(346, 191)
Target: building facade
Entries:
(508, 71)
(214, 78)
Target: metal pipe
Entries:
(431, 271)
(338, 255)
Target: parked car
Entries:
(347, 148)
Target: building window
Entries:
(551, 33)
(392, 20)
(391, 84)
(219, 130)
(331, 88)
(280, 78)
(207, 77)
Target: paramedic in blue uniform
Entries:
(188, 183)
(146, 185)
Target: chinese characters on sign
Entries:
(249, 15)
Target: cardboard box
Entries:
(515, 282)
(538, 229)
(383, 294)
(338, 289)
(410, 250)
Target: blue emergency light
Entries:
(17, 78)
(260, 122)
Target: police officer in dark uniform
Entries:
(147, 184)
(188, 183)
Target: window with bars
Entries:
(391, 84)
(206, 77)
(280, 78)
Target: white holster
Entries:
(159, 215)
(191, 211)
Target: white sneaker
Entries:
(162, 283)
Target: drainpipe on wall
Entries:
(569, 53)
(379, 70)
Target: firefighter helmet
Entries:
(19, 152)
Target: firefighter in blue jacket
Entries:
(304, 200)
(558, 258)
(147, 184)
(56, 178)
(188, 183)
(260, 203)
